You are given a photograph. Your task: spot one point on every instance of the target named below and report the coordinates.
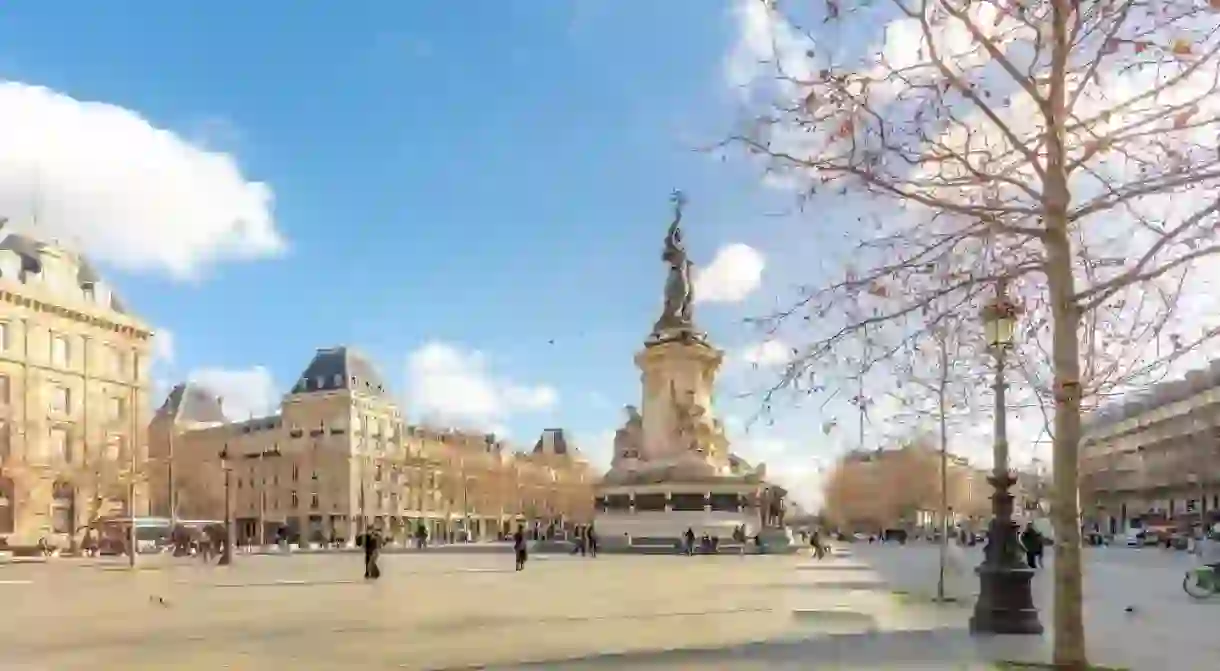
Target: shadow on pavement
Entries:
(948, 648)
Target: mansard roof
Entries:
(340, 368)
(191, 403)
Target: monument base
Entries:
(656, 516)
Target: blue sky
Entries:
(484, 190)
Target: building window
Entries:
(114, 361)
(114, 409)
(59, 351)
(60, 446)
(8, 491)
(116, 448)
(4, 336)
(63, 508)
(6, 441)
(4, 390)
(294, 501)
(313, 501)
(61, 400)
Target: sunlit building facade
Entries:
(74, 370)
(1154, 458)
(339, 456)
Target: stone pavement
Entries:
(426, 612)
(1165, 629)
(473, 611)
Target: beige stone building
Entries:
(339, 455)
(1154, 458)
(871, 490)
(74, 366)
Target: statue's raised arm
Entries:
(674, 251)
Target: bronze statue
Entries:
(677, 314)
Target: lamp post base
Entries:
(1006, 602)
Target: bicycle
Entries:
(1201, 583)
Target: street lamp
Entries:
(1005, 604)
(226, 556)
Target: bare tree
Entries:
(1068, 148)
(937, 379)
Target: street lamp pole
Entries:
(1005, 603)
(226, 556)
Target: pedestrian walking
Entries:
(519, 550)
(591, 540)
(689, 537)
(372, 541)
(815, 540)
(1033, 544)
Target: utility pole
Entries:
(262, 501)
(132, 444)
(173, 500)
(226, 557)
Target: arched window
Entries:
(63, 507)
(8, 496)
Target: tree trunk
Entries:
(1069, 641)
(944, 469)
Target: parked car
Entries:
(1136, 539)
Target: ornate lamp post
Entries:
(1005, 604)
(226, 556)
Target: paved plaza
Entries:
(452, 611)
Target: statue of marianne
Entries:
(679, 289)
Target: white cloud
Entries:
(766, 354)
(246, 392)
(447, 383)
(129, 193)
(794, 466)
(734, 273)
(163, 347)
(597, 448)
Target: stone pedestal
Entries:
(655, 514)
(671, 372)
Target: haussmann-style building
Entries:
(339, 455)
(74, 365)
(1154, 459)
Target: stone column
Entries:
(669, 505)
(631, 503)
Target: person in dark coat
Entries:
(372, 541)
(1033, 544)
(519, 547)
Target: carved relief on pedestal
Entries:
(628, 440)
